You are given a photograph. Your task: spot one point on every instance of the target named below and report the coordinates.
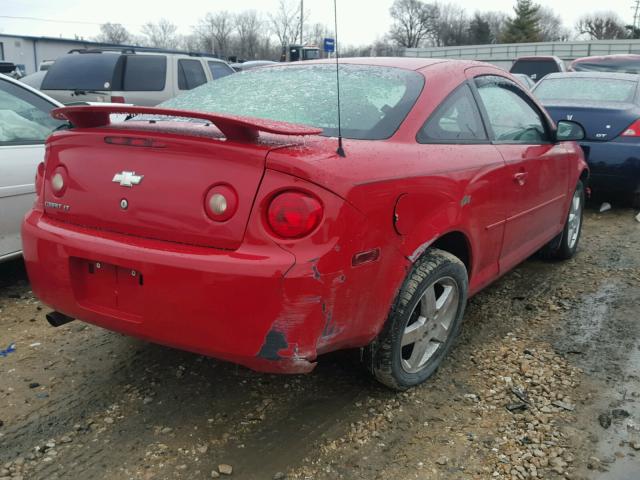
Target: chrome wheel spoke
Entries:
(422, 351)
(414, 332)
(429, 303)
(430, 324)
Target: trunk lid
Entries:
(151, 179)
(602, 121)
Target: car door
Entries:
(538, 168)
(464, 146)
(24, 124)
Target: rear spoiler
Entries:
(233, 127)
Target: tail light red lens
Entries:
(632, 130)
(294, 214)
(39, 178)
(117, 99)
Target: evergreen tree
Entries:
(479, 31)
(524, 27)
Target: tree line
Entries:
(252, 35)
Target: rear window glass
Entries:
(535, 69)
(145, 73)
(82, 71)
(626, 65)
(219, 70)
(374, 100)
(190, 74)
(586, 89)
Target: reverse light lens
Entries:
(221, 202)
(632, 130)
(59, 182)
(294, 214)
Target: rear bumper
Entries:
(614, 165)
(259, 306)
(217, 303)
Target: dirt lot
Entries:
(544, 383)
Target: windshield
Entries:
(374, 100)
(81, 71)
(586, 89)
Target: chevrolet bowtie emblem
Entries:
(127, 179)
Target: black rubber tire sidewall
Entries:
(564, 251)
(386, 365)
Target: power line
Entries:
(49, 20)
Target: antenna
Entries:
(340, 150)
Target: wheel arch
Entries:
(458, 245)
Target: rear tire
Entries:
(423, 323)
(565, 245)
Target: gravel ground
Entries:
(544, 383)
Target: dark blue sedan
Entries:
(608, 107)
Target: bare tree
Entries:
(451, 25)
(551, 27)
(161, 34)
(497, 23)
(413, 22)
(285, 22)
(216, 31)
(248, 27)
(113, 33)
(602, 26)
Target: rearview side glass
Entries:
(511, 116)
(145, 73)
(24, 117)
(190, 74)
(219, 70)
(456, 120)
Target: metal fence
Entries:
(505, 54)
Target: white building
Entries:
(27, 52)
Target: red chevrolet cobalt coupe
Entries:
(225, 222)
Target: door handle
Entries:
(521, 178)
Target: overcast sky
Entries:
(359, 21)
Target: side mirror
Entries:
(569, 131)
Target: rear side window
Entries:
(24, 116)
(82, 71)
(456, 120)
(219, 70)
(145, 73)
(190, 74)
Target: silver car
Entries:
(25, 123)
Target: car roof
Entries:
(31, 89)
(603, 75)
(615, 56)
(539, 58)
(409, 63)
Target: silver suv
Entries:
(135, 76)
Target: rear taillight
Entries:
(39, 183)
(632, 130)
(58, 181)
(117, 99)
(39, 178)
(294, 214)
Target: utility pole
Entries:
(636, 14)
(302, 20)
